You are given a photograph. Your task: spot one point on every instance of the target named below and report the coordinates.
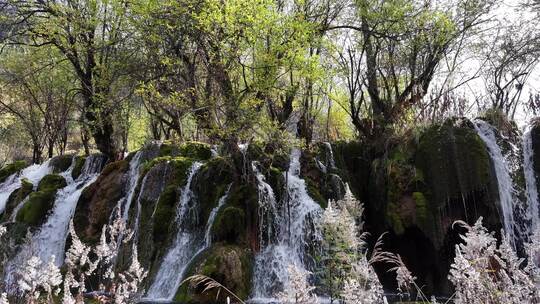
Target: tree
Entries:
(510, 53)
(39, 92)
(393, 53)
(93, 36)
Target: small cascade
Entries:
(507, 194)
(330, 156)
(530, 181)
(268, 209)
(17, 209)
(33, 174)
(185, 245)
(51, 238)
(133, 177)
(212, 218)
(295, 230)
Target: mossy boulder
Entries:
(456, 166)
(11, 169)
(17, 197)
(97, 201)
(61, 163)
(238, 221)
(39, 204)
(79, 165)
(229, 225)
(194, 150)
(210, 184)
(230, 265)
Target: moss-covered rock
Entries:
(210, 184)
(230, 265)
(98, 200)
(159, 195)
(16, 198)
(39, 203)
(229, 225)
(79, 165)
(10, 169)
(193, 149)
(51, 182)
(61, 163)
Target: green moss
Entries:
(51, 182)
(79, 165)
(10, 169)
(232, 266)
(211, 183)
(61, 163)
(41, 202)
(422, 212)
(313, 191)
(164, 213)
(454, 161)
(17, 197)
(167, 148)
(229, 225)
(196, 150)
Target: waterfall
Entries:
(530, 181)
(294, 223)
(330, 155)
(184, 246)
(212, 218)
(33, 174)
(133, 176)
(51, 238)
(267, 207)
(507, 194)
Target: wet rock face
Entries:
(424, 183)
(535, 136)
(228, 264)
(459, 180)
(98, 200)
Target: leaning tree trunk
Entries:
(100, 123)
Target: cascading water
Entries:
(530, 181)
(330, 155)
(507, 194)
(133, 176)
(33, 174)
(267, 207)
(51, 238)
(184, 246)
(212, 218)
(294, 229)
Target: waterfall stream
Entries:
(184, 246)
(33, 174)
(293, 232)
(530, 181)
(50, 239)
(507, 194)
(133, 176)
